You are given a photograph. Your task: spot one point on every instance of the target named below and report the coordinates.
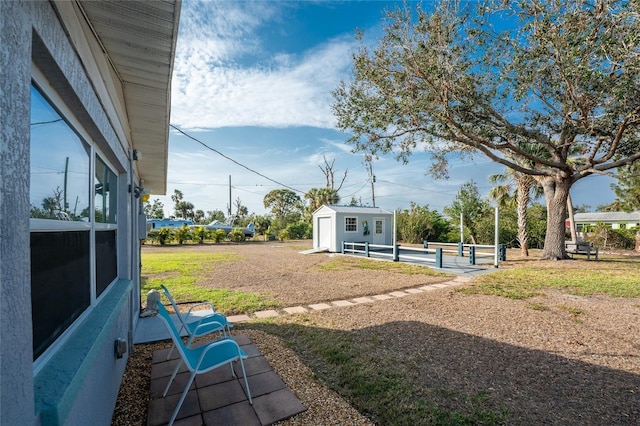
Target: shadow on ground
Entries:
(460, 378)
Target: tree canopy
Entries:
(282, 202)
(550, 89)
(627, 189)
(471, 206)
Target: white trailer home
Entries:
(334, 224)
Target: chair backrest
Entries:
(174, 304)
(175, 336)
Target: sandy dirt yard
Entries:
(552, 359)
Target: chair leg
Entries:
(171, 351)
(246, 382)
(182, 397)
(173, 376)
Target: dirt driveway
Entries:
(279, 271)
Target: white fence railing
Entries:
(398, 253)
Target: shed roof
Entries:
(355, 209)
(608, 217)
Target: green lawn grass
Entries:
(612, 277)
(182, 270)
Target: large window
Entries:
(105, 200)
(73, 196)
(59, 166)
(106, 195)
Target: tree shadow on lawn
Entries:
(415, 373)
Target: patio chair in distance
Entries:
(214, 322)
(202, 359)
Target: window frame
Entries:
(354, 224)
(58, 104)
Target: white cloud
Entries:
(212, 88)
(346, 148)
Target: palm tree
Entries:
(503, 196)
(319, 196)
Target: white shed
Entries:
(334, 224)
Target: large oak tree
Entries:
(550, 89)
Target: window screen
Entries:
(106, 260)
(59, 283)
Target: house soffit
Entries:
(139, 39)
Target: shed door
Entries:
(324, 232)
(378, 231)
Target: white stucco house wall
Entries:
(333, 224)
(84, 108)
(615, 220)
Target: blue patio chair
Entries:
(203, 325)
(202, 359)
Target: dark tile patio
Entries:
(217, 398)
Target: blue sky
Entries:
(253, 80)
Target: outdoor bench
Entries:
(581, 248)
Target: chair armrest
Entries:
(198, 305)
(208, 325)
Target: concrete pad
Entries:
(266, 314)
(382, 297)
(440, 285)
(398, 293)
(220, 394)
(341, 303)
(241, 413)
(363, 300)
(296, 310)
(263, 383)
(161, 409)
(428, 288)
(238, 318)
(217, 397)
(276, 406)
(414, 290)
(242, 339)
(320, 306)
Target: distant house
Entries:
(334, 224)
(84, 107)
(153, 224)
(614, 220)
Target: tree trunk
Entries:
(556, 192)
(524, 189)
(572, 222)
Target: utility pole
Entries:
(372, 177)
(229, 205)
(66, 173)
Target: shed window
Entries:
(351, 224)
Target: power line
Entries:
(40, 123)
(234, 161)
